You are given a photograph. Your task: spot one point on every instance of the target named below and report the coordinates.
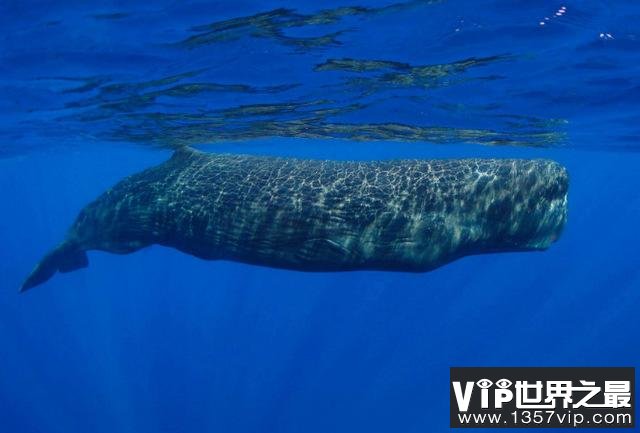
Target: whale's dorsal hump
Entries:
(184, 152)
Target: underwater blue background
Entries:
(158, 341)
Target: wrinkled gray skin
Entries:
(307, 215)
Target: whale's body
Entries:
(310, 215)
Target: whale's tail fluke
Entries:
(64, 258)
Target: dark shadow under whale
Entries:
(311, 215)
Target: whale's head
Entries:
(549, 203)
(527, 209)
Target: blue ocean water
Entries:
(158, 341)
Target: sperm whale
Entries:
(313, 215)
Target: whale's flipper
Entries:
(64, 258)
